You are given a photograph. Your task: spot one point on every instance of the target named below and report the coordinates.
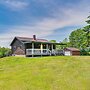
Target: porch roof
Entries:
(26, 40)
(45, 43)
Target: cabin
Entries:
(71, 51)
(24, 46)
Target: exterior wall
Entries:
(18, 48)
(73, 53)
(20, 55)
(76, 53)
(67, 53)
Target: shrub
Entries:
(5, 52)
(85, 51)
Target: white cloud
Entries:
(41, 29)
(74, 16)
(14, 4)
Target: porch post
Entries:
(32, 49)
(41, 48)
(52, 47)
(47, 48)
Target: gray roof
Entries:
(26, 39)
(72, 49)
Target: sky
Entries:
(48, 19)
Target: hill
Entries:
(46, 73)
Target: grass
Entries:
(46, 73)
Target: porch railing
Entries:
(44, 52)
(38, 52)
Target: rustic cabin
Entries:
(24, 46)
(71, 52)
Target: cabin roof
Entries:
(28, 40)
(25, 40)
(72, 49)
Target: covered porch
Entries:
(38, 48)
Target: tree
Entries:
(87, 30)
(88, 21)
(53, 41)
(65, 40)
(78, 39)
(4, 52)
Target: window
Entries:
(14, 47)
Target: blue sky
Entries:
(49, 19)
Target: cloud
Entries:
(42, 28)
(74, 16)
(14, 4)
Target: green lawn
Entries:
(46, 73)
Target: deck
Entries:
(42, 52)
(39, 52)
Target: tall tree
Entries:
(65, 40)
(78, 39)
(88, 21)
(87, 30)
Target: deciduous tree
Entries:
(78, 39)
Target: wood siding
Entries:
(76, 53)
(18, 48)
(73, 51)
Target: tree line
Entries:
(79, 38)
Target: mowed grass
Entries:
(46, 73)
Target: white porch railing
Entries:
(38, 52)
(44, 52)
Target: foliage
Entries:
(1, 54)
(46, 73)
(78, 39)
(53, 41)
(4, 52)
(87, 30)
(66, 42)
(85, 51)
(88, 21)
(59, 47)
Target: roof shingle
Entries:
(26, 39)
(72, 49)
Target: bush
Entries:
(5, 52)
(85, 51)
(1, 54)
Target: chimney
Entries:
(34, 37)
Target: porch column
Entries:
(41, 48)
(47, 46)
(32, 49)
(52, 47)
